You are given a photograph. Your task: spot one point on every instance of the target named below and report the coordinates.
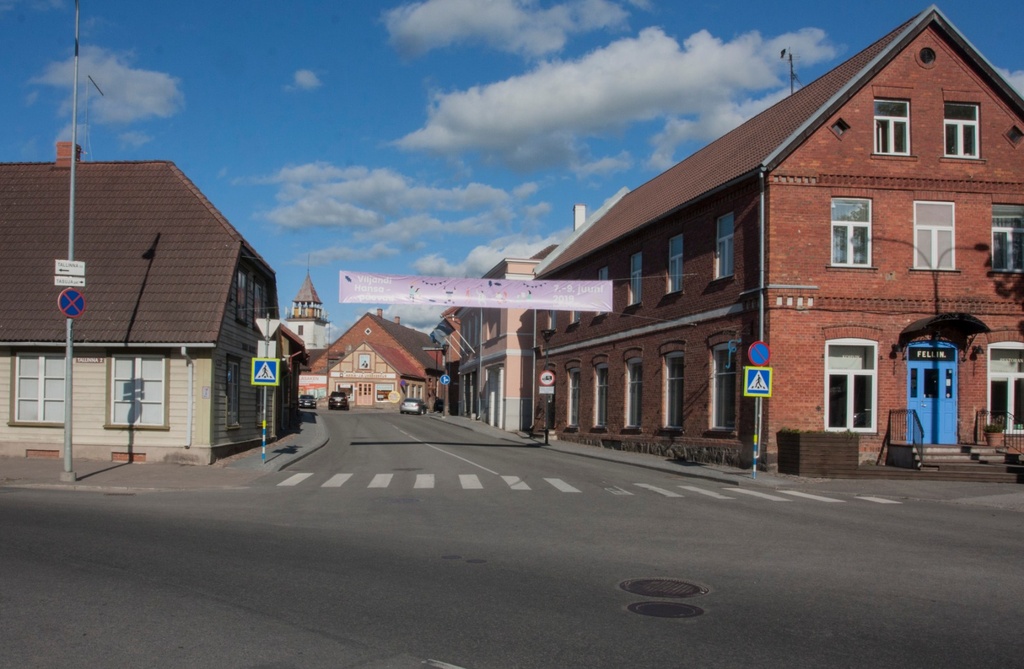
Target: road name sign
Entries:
(68, 268)
(757, 381)
(265, 372)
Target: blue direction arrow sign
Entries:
(445, 379)
(71, 303)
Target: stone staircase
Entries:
(967, 462)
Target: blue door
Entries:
(931, 389)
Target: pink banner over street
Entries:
(363, 287)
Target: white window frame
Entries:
(634, 392)
(1008, 238)
(138, 390)
(928, 235)
(844, 232)
(962, 135)
(724, 251)
(573, 414)
(675, 370)
(39, 396)
(636, 278)
(889, 127)
(675, 264)
(851, 375)
(601, 395)
(723, 392)
(1014, 382)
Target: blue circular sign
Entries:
(445, 379)
(758, 354)
(71, 303)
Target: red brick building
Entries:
(869, 228)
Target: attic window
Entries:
(367, 331)
(840, 127)
(1015, 135)
(926, 56)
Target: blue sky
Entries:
(433, 137)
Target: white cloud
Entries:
(483, 258)
(304, 80)
(1015, 79)
(542, 117)
(516, 26)
(129, 94)
(134, 139)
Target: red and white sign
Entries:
(547, 383)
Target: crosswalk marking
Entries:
(878, 500)
(561, 485)
(762, 495)
(470, 482)
(515, 483)
(806, 495)
(294, 479)
(381, 481)
(660, 491)
(336, 481)
(702, 491)
(424, 481)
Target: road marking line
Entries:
(294, 479)
(470, 482)
(878, 500)
(515, 483)
(754, 493)
(805, 495)
(702, 491)
(561, 485)
(336, 481)
(660, 491)
(424, 481)
(380, 481)
(447, 453)
(616, 490)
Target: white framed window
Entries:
(634, 392)
(138, 390)
(851, 384)
(574, 397)
(851, 232)
(674, 390)
(1008, 237)
(934, 235)
(1006, 382)
(892, 127)
(241, 296)
(961, 122)
(601, 396)
(675, 264)
(636, 278)
(724, 247)
(39, 390)
(723, 396)
(232, 385)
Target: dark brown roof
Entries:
(399, 361)
(409, 339)
(160, 258)
(740, 153)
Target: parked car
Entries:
(307, 402)
(413, 405)
(337, 400)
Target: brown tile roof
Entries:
(409, 339)
(739, 153)
(159, 257)
(399, 361)
(307, 293)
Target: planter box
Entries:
(830, 454)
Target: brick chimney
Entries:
(380, 313)
(64, 154)
(398, 320)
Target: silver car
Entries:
(413, 405)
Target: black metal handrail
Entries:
(904, 427)
(1012, 431)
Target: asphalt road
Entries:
(409, 542)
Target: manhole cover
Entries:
(662, 587)
(665, 609)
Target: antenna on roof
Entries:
(792, 74)
(88, 135)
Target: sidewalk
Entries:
(242, 469)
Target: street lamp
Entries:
(546, 334)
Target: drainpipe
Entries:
(191, 391)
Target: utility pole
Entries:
(68, 474)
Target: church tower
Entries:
(307, 317)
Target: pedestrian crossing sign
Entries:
(757, 381)
(265, 372)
